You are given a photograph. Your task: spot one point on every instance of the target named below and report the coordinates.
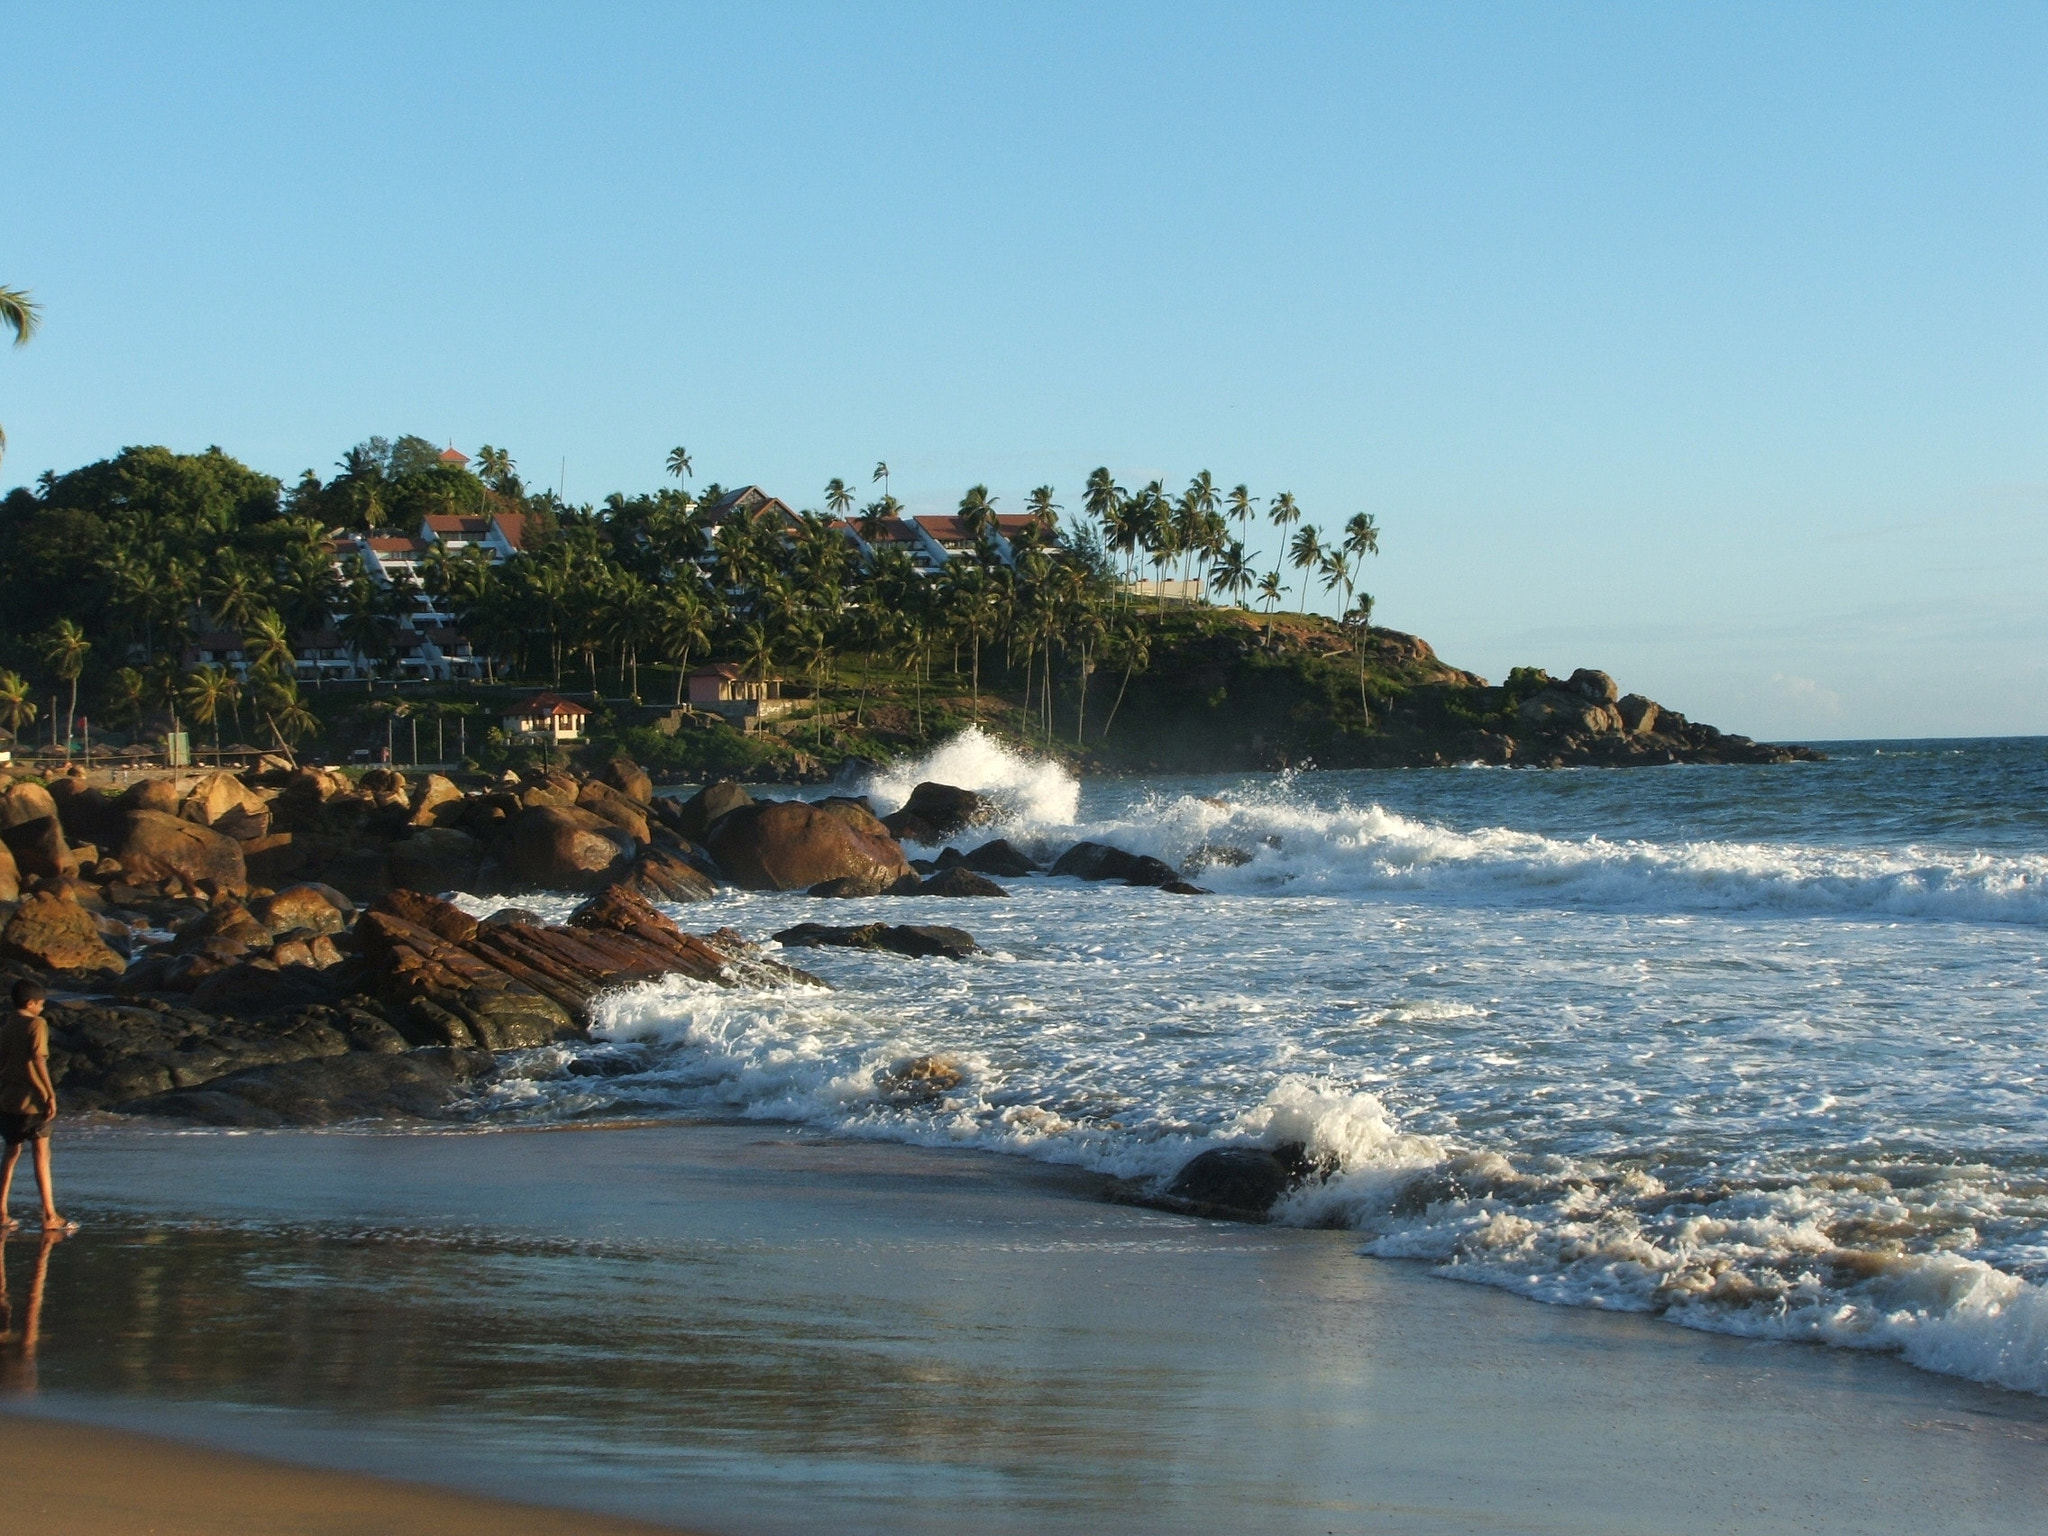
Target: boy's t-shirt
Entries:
(23, 1038)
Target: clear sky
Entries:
(1705, 344)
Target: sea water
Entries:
(1758, 1049)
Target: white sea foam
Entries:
(1710, 1078)
(1032, 791)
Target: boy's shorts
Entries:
(17, 1128)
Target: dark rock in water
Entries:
(1241, 1183)
(1184, 888)
(611, 1064)
(867, 885)
(948, 857)
(103, 1054)
(959, 880)
(1099, 861)
(363, 1085)
(935, 812)
(925, 866)
(918, 940)
(920, 1079)
(1002, 858)
(697, 813)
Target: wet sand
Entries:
(747, 1328)
(77, 1480)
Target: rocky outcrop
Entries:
(38, 848)
(788, 845)
(437, 859)
(1099, 861)
(918, 940)
(628, 778)
(331, 1090)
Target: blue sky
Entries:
(1708, 345)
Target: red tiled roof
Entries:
(450, 456)
(513, 526)
(399, 546)
(468, 527)
(549, 704)
(947, 530)
(720, 669)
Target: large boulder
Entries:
(604, 801)
(262, 986)
(57, 935)
(429, 796)
(223, 802)
(86, 813)
(10, 875)
(697, 813)
(1639, 716)
(1560, 710)
(436, 859)
(1597, 686)
(443, 919)
(566, 848)
(786, 845)
(628, 778)
(309, 907)
(329, 1090)
(160, 847)
(149, 795)
(22, 803)
(935, 812)
(1099, 861)
(39, 849)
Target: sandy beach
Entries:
(755, 1329)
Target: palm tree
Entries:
(838, 496)
(1242, 507)
(65, 648)
(1362, 535)
(207, 693)
(1042, 507)
(1335, 567)
(978, 517)
(682, 624)
(1305, 553)
(17, 703)
(882, 474)
(1135, 646)
(126, 697)
(679, 464)
(268, 648)
(1284, 515)
(20, 314)
(1359, 617)
(493, 464)
(1271, 590)
(1234, 570)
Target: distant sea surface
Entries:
(1762, 1050)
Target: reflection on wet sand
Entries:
(744, 1328)
(20, 1334)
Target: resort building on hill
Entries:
(723, 688)
(547, 717)
(501, 535)
(749, 501)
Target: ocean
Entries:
(1757, 1051)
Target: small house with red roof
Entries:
(546, 717)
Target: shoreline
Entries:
(742, 1325)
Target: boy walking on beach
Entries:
(28, 1101)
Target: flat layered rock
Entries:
(917, 940)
